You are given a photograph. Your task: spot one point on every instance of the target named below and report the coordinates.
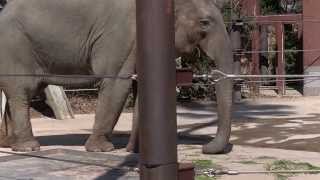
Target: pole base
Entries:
(167, 172)
(185, 172)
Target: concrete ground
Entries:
(264, 130)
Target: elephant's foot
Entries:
(26, 146)
(132, 147)
(215, 147)
(98, 143)
(6, 141)
(133, 144)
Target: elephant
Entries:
(97, 37)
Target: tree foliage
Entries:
(281, 6)
(292, 41)
(271, 7)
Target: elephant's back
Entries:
(61, 31)
(69, 13)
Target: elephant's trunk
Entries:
(219, 48)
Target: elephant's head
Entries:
(199, 23)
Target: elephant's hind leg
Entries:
(112, 97)
(110, 104)
(21, 136)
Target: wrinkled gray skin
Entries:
(95, 37)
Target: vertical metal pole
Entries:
(157, 96)
(256, 57)
(235, 37)
(255, 7)
(281, 85)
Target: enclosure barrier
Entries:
(217, 75)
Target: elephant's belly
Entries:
(69, 69)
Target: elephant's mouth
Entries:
(194, 52)
(187, 50)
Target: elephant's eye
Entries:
(204, 23)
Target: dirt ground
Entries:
(275, 128)
(264, 130)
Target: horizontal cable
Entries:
(276, 51)
(196, 84)
(277, 80)
(283, 80)
(214, 172)
(234, 76)
(215, 76)
(129, 76)
(255, 20)
(218, 75)
(239, 23)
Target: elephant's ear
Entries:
(220, 3)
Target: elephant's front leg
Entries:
(133, 144)
(221, 144)
(112, 98)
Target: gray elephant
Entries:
(96, 37)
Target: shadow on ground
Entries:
(260, 125)
(68, 164)
(119, 139)
(285, 133)
(119, 171)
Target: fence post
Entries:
(3, 101)
(235, 37)
(157, 90)
(255, 11)
(281, 85)
(58, 101)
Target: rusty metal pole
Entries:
(157, 96)
(281, 70)
(255, 7)
(255, 58)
